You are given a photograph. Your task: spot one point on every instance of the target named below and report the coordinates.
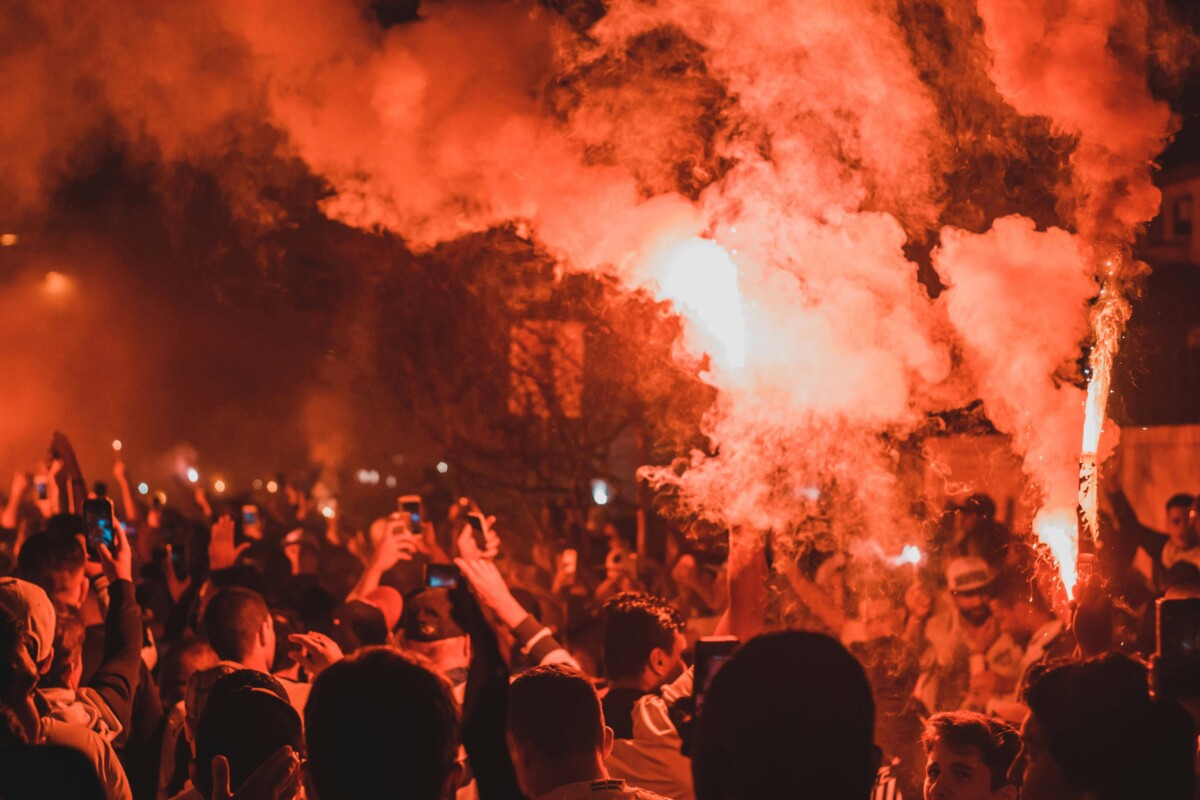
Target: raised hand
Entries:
(469, 548)
(117, 566)
(222, 553)
(314, 651)
(490, 588)
(277, 778)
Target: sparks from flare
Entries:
(700, 279)
(1059, 531)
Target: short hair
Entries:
(47, 557)
(1101, 727)
(247, 726)
(996, 742)
(68, 645)
(1182, 500)
(634, 624)
(787, 710)
(13, 635)
(232, 620)
(381, 724)
(554, 711)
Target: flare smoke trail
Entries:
(802, 138)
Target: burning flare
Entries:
(700, 279)
(1058, 530)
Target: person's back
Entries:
(788, 715)
(558, 739)
(245, 727)
(379, 725)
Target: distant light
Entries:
(443, 467)
(390, 481)
(143, 488)
(219, 485)
(117, 445)
(327, 512)
(600, 492)
(192, 474)
(258, 484)
(56, 283)
(272, 487)
(8, 239)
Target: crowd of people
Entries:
(254, 646)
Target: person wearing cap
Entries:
(962, 639)
(974, 531)
(430, 630)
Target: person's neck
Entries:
(255, 661)
(641, 684)
(564, 772)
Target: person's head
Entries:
(381, 724)
(66, 666)
(788, 713)
(18, 673)
(239, 627)
(1019, 608)
(969, 579)
(1178, 509)
(431, 631)
(556, 730)
(29, 603)
(357, 624)
(974, 511)
(1094, 733)
(643, 641)
(54, 559)
(968, 756)
(177, 665)
(246, 726)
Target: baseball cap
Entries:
(968, 574)
(357, 624)
(388, 600)
(428, 617)
(29, 603)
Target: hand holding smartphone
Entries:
(101, 526)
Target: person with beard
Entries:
(962, 639)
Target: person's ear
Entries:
(265, 631)
(658, 660)
(606, 750)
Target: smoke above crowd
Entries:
(790, 175)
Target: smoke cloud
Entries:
(807, 139)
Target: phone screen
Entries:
(441, 576)
(249, 515)
(478, 526)
(101, 529)
(711, 654)
(43, 489)
(413, 509)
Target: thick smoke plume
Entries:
(807, 139)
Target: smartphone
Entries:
(249, 515)
(410, 504)
(570, 560)
(1175, 667)
(441, 576)
(101, 527)
(711, 654)
(479, 526)
(42, 486)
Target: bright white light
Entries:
(192, 474)
(701, 280)
(117, 445)
(443, 467)
(391, 481)
(143, 488)
(219, 485)
(909, 554)
(272, 487)
(600, 492)
(327, 512)
(1058, 529)
(362, 476)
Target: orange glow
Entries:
(700, 279)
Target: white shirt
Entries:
(611, 789)
(651, 759)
